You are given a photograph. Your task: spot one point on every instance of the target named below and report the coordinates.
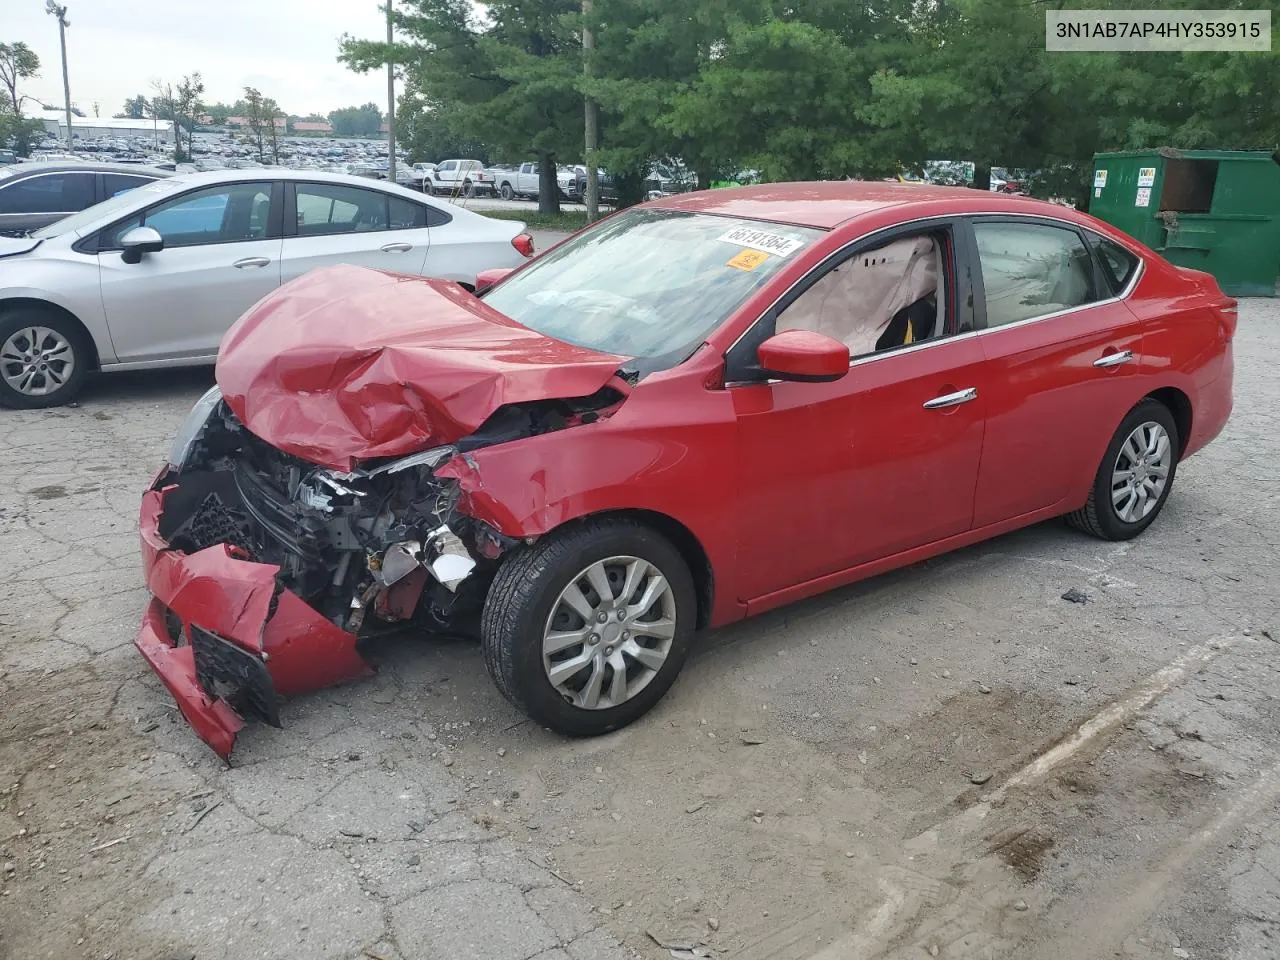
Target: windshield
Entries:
(120, 203)
(648, 283)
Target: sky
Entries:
(115, 48)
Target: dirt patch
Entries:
(1025, 852)
(99, 415)
(52, 492)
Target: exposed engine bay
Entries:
(383, 544)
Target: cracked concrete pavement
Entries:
(950, 760)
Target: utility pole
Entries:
(591, 127)
(391, 104)
(60, 12)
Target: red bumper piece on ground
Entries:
(232, 599)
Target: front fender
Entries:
(673, 453)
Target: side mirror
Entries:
(487, 278)
(138, 241)
(804, 356)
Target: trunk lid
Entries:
(348, 364)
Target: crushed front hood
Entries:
(347, 364)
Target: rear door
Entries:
(1061, 348)
(221, 255)
(331, 223)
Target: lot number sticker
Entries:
(747, 260)
(1144, 197)
(1146, 177)
(762, 240)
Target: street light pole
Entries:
(60, 12)
(391, 104)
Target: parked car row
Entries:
(155, 273)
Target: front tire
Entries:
(507, 192)
(587, 629)
(44, 359)
(1135, 476)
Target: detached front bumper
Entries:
(227, 639)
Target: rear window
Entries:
(1118, 264)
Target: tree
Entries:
(262, 113)
(17, 132)
(187, 105)
(18, 62)
(510, 78)
(362, 121)
(135, 108)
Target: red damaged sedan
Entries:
(694, 411)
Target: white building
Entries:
(55, 122)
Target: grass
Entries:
(564, 220)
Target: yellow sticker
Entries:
(747, 260)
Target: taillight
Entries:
(1228, 316)
(524, 244)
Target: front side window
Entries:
(329, 208)
(48, 193)
(892, 296)
(227, 213)
(1031, 270)
(648, 283)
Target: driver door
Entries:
(836, 475)
(221, 255)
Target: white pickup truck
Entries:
(465, 177)
(521, 181)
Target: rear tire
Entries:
(507, 192)
(468, 189)
(526, 613)
(44, 358)
(1127, 493)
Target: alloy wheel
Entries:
(37, 361)
(609, 632)
(1141, 471)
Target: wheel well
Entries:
(1180, 406)
(32, 303)
(690, 548)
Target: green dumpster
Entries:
(1214, 210)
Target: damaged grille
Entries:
(213, 523)
(235, 675)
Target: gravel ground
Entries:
(950, 760)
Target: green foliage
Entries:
(357, 121)
(18, 62)
(135, 108)
(16, 133)
(803, 89)
(508, 80)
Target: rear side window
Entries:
(1118, 264)
(48, 193)
(405, 214)
(328, 208)
(1031, 270)
(114, 184)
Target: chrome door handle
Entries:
(398, 247)
(251, 262)
(1114, 359)
(952, 399)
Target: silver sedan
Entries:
(154, 277)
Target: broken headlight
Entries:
(193, 426)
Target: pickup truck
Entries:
(521, 181)
(467, 177)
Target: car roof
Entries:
(82, 166)
(280, 173)
(830, 203)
